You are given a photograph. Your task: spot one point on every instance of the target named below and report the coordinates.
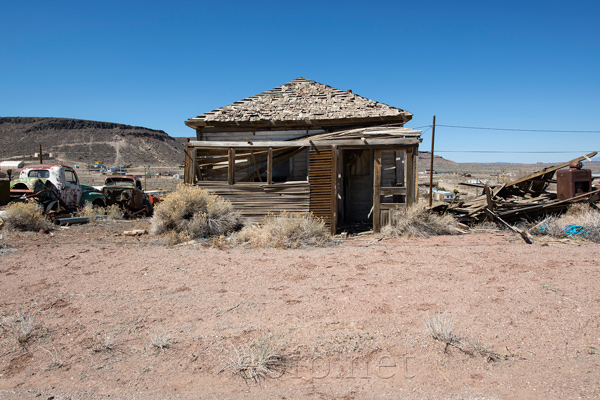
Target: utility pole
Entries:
(431, 164)
(41, 158)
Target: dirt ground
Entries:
(350, 318)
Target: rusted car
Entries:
(126, 191)
(56, 187)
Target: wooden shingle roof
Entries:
(301, 102)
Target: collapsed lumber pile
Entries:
(523, 199)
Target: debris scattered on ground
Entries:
(523, 199)
(135, 232)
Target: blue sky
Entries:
(509, 64)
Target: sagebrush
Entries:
(418, 221)
(287, 230)
(191, 213)
(25, 216)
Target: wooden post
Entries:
(431, 164)
(231, 169)
(376, 191)
(410, 177)
(270, 166)
(145, 178)
(188, 171)
(40, 154)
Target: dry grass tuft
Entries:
(56, 361)
(191, 213)
(261, 359)
(441, 328)
(580, 214)
(111, 212)
(91, 212)
(20, 326)
(417, 221)
(287, 231)
(161, 340)
(27, 216)
(103, 342)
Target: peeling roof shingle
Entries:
(300, 100)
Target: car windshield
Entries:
(39, 173)
(119, 182)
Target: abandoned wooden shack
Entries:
(307, 147)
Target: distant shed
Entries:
(13, 165)
(307, 147)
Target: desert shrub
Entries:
(285, 231)
(262, 358)
(27, 216)
(579, 215)
(418, 221)
(191, 212)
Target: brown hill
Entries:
(80, 141)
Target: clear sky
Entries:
(500, 64)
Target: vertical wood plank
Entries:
(376, 191)
(231, 166)
(410, 177)
(256, 166)
(334, 195)
(415, 181)
(270, 166)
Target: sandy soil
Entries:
(350, 317)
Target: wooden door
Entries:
(321, 178)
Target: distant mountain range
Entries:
(79, 141)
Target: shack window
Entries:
(39, 173)
(70, 177)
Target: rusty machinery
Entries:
(573, 181)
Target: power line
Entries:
(509, 129)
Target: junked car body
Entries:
(126, 191)
(55, 186)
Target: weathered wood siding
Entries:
(256, 200)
